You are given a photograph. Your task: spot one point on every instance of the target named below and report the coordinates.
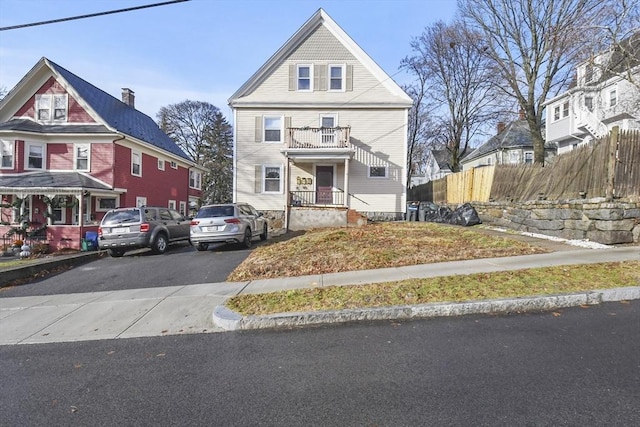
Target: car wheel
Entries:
(160, 244)
(247, 238)
(202, 246)
(116, 253)
(263, 236)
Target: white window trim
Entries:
(133, 153)
(264, 179)
(141, 201)
(386, 172)
(197, 182)
(298, 66)
(332, 134)
(172, 204)
(51, 101)
(530, 153)
(75, 156)
(160, 164)
(343, 78)
(609, 92)
(27, 146)
(183, 208)
(63, 215)
(174, 165)
(12, 148)
(264, 129)
(98, 199)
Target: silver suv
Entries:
(227, 223)
(144, 227)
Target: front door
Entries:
(324, 185)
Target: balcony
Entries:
(318, 143)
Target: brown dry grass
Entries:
(379, 245)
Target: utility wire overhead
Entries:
(91, 15)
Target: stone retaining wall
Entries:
(590, 219)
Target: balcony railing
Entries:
(308, 137)
(316, 198)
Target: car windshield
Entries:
(215, 211)
(119, 217)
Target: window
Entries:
(160, 164)
(556, 113)
(528, 157)
(336, 77)
(195, 180)
(183, 208)
(588, 103)
(272, 129)
(328, 124)
(172, 204)
(141, 201)
(6, 149)
(103, 204)
(588, 73)
(272, 179)
(51, 107)
(174, 165)
(561, 111)
(136, 163)
(35, 156)
(514, 157)
(59, 210)
(378, 172)
(82, 156)
(305, 78)
(613, 98)
(565, 109)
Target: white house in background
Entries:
(512, 145)
(321, 132)
(599, 100)
(436, 167)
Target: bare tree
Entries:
(533, 44)
(449, 59)
(202, 131)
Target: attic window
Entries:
(174, 165)
(51, 107)
(305, 78)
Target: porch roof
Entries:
(50, 181)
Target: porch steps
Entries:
(355, 218)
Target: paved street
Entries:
(575, 366)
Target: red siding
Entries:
(102, 162)
(158, 186)
(77, 114)
(60, 156)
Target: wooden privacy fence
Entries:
(608, 167)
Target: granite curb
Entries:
(230, 320)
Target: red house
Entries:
(70, 152)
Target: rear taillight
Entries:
(195, 222)
(232, 221)
(144, 227)
(100, 231)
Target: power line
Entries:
(91, 15)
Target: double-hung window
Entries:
(305, 78)
(272, 179)
(378, 171)
(327, 125)
(6, 149)
(51, 107)
(195, 179)
(272, 129)
(35, 155)
(136, 163)
(336, 77)
(82, 157)
(613, 97)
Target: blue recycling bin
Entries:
(91, 239)
(412, 211)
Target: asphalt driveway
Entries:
(180, 265)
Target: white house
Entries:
(600, 99)
(436, 166)
(321, 131)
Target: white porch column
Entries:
(346, 182)
(80, 198)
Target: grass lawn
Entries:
(395, 244)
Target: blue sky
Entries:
(202, 50)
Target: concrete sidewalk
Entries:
(199, 308)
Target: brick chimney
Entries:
(501, 126)
(128, 97)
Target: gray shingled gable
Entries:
(118, 115)
(515, 135)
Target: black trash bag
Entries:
(465, 215)
(443, 215)
(428, 211)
